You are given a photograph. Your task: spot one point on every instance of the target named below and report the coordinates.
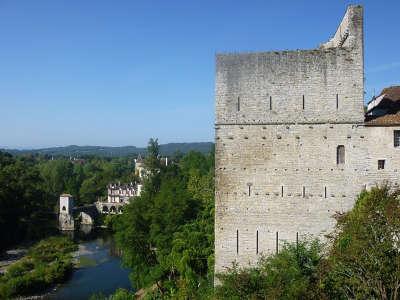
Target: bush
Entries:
(47, 263)
(364, 261)
(290, 274)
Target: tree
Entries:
(167, 234)
(365, 257)
(152, 160)
(25, 207)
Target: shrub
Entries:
(290, 274)
(47, 263)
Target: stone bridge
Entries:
(109, 207)
(70, 216)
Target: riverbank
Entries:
(10, 257)
(97, 270)
(47, 263)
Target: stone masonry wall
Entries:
(270, 87)
(295, 182)
(276, 167)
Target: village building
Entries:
(140, 168)
(120, 193)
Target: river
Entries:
(99, 271)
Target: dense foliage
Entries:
(46, 263)
(25, 207)
(166, 235)
(85, 179)
(30, 187)
(293, 273)
(364, 262)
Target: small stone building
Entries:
(66, 219)
(293, 145)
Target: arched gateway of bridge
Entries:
(109, 208)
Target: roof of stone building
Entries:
(65, 195)
(139, 158)
(385, 120)
(391, 93)
(387, 102)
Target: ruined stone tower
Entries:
(292, 147)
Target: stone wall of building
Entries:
(277, 174)
(284, 180)
(320, 85)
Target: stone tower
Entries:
(66, 219)
(290, 143)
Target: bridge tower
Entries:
(66, 219)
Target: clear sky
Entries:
(118, 72)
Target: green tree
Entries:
(365, 257)
(152, 160)
(25, 207)
(167, 234)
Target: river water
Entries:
(99, 271)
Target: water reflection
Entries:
(99, 267)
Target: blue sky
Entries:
(119, 72)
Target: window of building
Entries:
(238, 104)
(303, 102)
(396, 135)
(63, 208)
(340, 155)
(270, 102)
(381, 164)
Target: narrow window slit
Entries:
(337, 101)
(238, 104)
(270, 102)
(249, 184)
(237, 241)
(304, 191)
(276, 242)
(282, 191)
(303, 102)
(257, 242)
(325, 192)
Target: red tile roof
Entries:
(385, 120)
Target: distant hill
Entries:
(78, 151)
